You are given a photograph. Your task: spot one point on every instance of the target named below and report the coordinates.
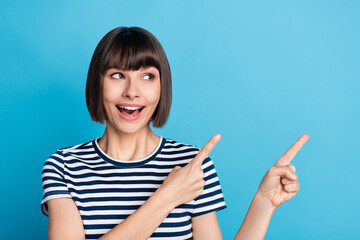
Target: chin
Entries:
(130, 128)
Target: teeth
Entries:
(130, 108)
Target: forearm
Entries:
(143, 222)
(257, 219)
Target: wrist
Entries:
(164, 200)
(264, 202)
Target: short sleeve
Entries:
(212, 198)
(53, 181)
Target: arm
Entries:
(64, 220)
(254, 226)
(257, 220)
(206, 227)
(279, 185)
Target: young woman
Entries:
(131, 183)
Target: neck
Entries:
(128, 146)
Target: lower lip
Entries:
(129, 118)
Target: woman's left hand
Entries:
(280, 183)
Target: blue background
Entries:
(260, 73)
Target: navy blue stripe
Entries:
(111, 226)
(211, 176)
(202, 196)
(126, 207)
(171, 234)
(179, 151)
(93, 236)
(210, 185)
(114, 190)
(104, 199)
(59, 179)
(57, 184)
(110, 167)
(190, 157)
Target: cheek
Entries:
(152, 94)
(157, 92)
(110, 94)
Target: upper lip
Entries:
(130, 105)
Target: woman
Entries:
(133, 184)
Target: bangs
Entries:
(130, 51)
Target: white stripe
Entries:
(109, 203)
(208, 199)
(112, 194)
(217, 187)
(115, 178)
(207, 208)
(117, 221)
(172, 229)
(54, 197)
(115, 186)
(84, 158)
(121, 171)
(170, 163)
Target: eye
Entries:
(117, 75)
(148, 76)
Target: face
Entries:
(130, 97)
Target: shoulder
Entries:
(57, 158)
(73, 149)
(174, 145)
(182, 151)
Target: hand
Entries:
(280, 183)
(184, 184)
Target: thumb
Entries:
(283, 171)
(176, 168)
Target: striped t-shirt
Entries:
(106, 191)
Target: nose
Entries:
(130, 90)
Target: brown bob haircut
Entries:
(128, 49)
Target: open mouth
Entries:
(129, 111)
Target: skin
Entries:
(134, 140)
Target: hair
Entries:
(128, 49)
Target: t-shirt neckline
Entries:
(122, 163)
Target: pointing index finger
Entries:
(205, 151)
(290, 154)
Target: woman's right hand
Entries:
(184, 184)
